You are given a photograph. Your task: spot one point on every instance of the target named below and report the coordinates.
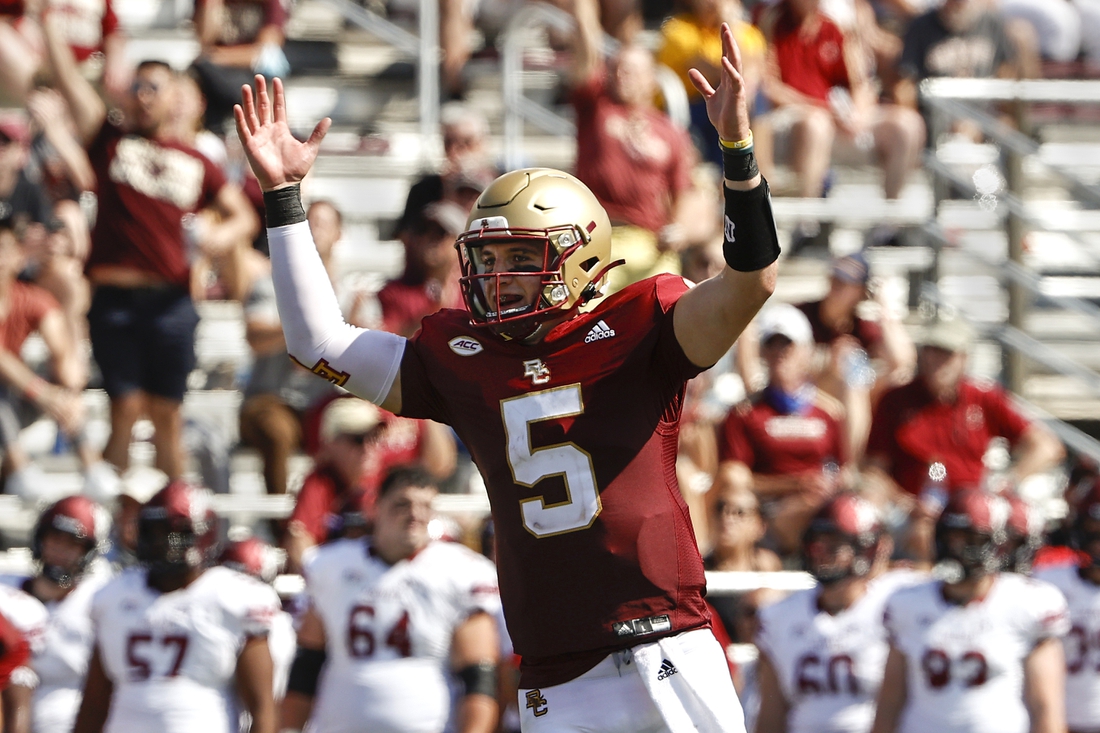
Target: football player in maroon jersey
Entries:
(571, 415)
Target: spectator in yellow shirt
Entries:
(691, 39)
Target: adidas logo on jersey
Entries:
(600, 331)
(667, 670)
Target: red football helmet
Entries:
(76, 517)
(251, 556)
(983, 517)
(846, 521)
(177, 529)
(1025, 534)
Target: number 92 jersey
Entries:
(965, 664)
(1082, 645)
(388, 632)
(576, 438)
(172, 657)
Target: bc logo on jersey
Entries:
(537, 371)
(537, 703)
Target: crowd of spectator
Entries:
(817, 398)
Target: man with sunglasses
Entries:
(142, 321)
(349, 433)
(570, 414)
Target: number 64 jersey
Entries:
(172, 657)
(388, 632)
(576, 439)
(965, 664)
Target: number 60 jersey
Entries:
(576, 439)
(965, 664)
(172, 657)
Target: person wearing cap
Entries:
(944, 416)
(429, 281)
(356, 445)
(349, 430)
(851, 339)
(786, 443)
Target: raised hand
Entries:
(727, 106)
(277, 158)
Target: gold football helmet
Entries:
(554, 211)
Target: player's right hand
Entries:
(277, 158)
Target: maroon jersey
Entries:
(776, 444)
(145, 188)
(576, 439)
(911, 429)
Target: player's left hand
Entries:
(727, 105)
(275, 156)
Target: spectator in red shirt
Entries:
(815, 77)
(635, 160)
(942, 416)
(89, 27)
(239, 38)
(142, 321)
(359, 444)
(430, 279)
(787, 443)
(27, 308)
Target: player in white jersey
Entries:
(389, 618)
(976, 652)
(66, 542)
(256, 558)
(823, 650)
(1081, 586)
(175, 637)
(29, 617)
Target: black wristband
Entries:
(750, 241)
(283, 206)
(739, 165)
(479, 679)
(305, 670)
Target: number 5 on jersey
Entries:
(530, 465)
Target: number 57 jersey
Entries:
(965, 664)
(388, 632)
(576, 439)
(172, 657)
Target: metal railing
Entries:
(950, 99)
(424, 48)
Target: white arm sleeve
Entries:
(360, 360)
